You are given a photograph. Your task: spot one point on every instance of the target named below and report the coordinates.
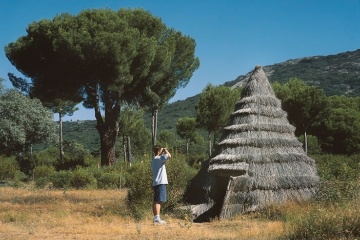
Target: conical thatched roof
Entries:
(258, 161)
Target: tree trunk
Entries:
(128, 148)
(305, 140)
(124, 149)
(154, 126)
(61, 138)
(107, 143)
(187, 146)
(209, 139)
(108, 127)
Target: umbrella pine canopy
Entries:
(258, 160)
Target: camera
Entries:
(164, 150)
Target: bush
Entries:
(82, 178)
(8, 168)
(43, 171)
(75, 155)
(26, 163)
(337, 191)
(42, 175)
(338, 167)
(110, 177)
(179, 174)
(140, 193)
(139, 183)
(61, 179)
(109, 181)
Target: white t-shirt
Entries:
(159, 170)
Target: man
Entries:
(160, 180)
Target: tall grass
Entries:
(324, 221)
(334, 213)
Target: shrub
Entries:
(338, 167)
(82, 178)
(140, 193)
(61, 179)
(43, 171)
(110, 177)
(26, 163)
(139, 183)
(18, 180)
(337, 191)
(109, 181)
(75, 155)
(179, 174)
(42, 175)
(8, 168)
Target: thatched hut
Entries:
(258, 161)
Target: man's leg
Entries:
(156, 208)
(159, 197)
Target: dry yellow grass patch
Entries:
(102, 214)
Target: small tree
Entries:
(167, 137)
(306, 105)
(340, 131)
(131, 125)
(23, 122)
(214, 109)
(62, 107)
(186, 128)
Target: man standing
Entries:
(160, 181)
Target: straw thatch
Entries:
(258, 161)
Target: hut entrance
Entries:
(234, 198)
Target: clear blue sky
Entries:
(232, 36)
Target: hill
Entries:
(337, 74)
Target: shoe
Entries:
(159, 221)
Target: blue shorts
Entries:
(160, 193)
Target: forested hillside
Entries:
(336, 74)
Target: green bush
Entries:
(140, 193)
(336, 191)
(82, 178)
(42, 175)
(42, 182)
(8, 168)
(43, 171)
(338, 167)
(109, 181)
(47, 156)
(61, 179)
(75, 155)
(26, 163)
(110, 177)
(179, 174)
(139, 183)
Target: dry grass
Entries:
(102, 214)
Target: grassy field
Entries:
(102, 214)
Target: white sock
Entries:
(157, 217)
